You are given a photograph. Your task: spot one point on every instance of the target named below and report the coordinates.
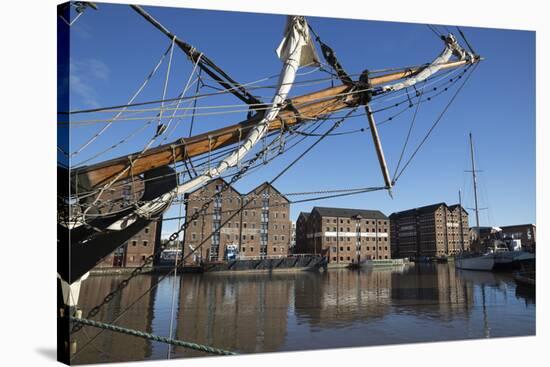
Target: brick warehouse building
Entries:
(433, 230)
(344, 235)
(527, 233)
(262, 229)
(134, 251)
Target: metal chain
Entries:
(137, 271)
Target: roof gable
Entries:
(348, 212)
(267, 184)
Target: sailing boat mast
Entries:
(476, 208)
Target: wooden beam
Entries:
(309, 106)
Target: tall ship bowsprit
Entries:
(96, 215)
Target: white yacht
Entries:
(496, 257)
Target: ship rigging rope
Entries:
(408, 135)
(305, 133)
(436, 122)
(102, 189)
(435, 31)
(293, 50)
(136, 94)
(152, 337)
(167, 77)
(428, 98)
(215, 113)
(377, 100)
(321, 138)
(228, 90)
(123, 284)
(188, 85)
(268, 149)
(420, 93)
(223, 91)
(262, 105)
(313, 126)
(159, 132)
(295, 133)
(162, 277)
(202, 158)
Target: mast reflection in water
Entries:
(252, 313)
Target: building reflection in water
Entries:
(243, 312)
(251, 313)
(110, 346)
(432, 291)
(338, 298)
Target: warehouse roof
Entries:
(348, 213)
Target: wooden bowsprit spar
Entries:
(304, 108)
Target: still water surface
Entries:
(253, 313)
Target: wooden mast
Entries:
(306, 107)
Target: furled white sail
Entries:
(451, 48)
(296, 49)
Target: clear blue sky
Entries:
(113, 49)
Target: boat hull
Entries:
(480, 263)
(512, 260)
